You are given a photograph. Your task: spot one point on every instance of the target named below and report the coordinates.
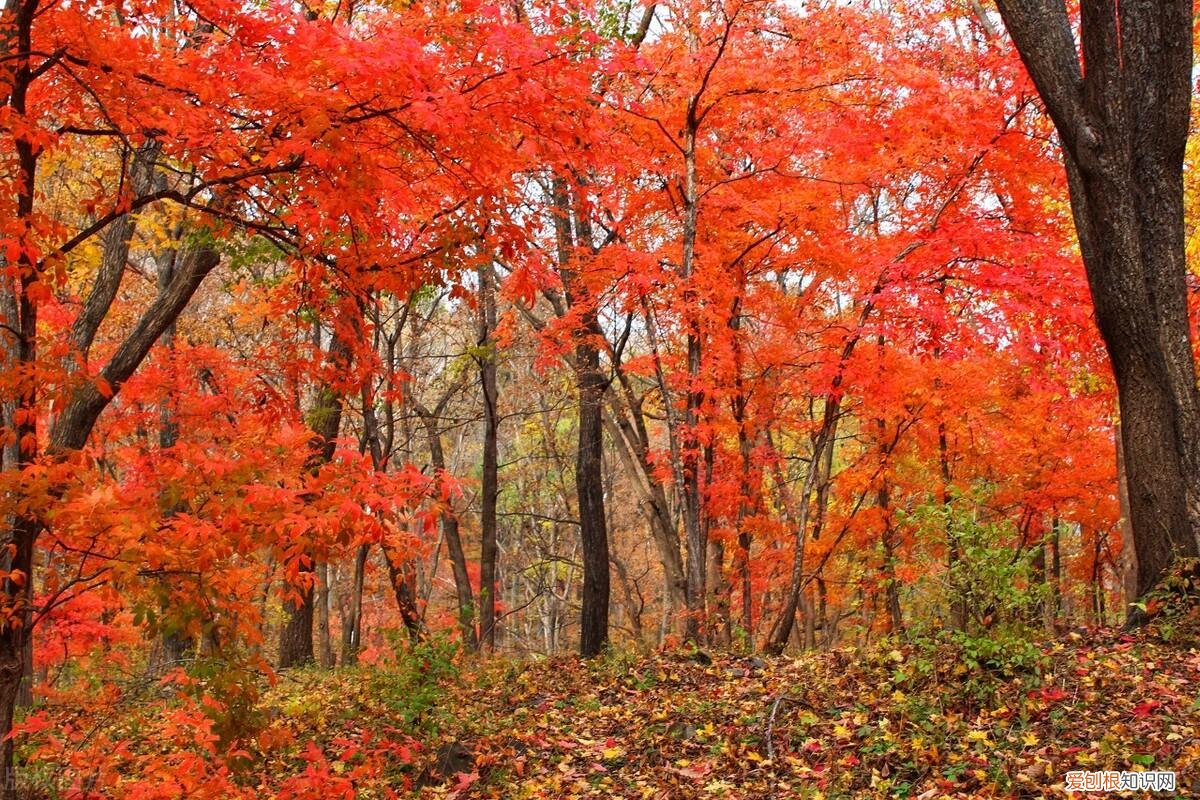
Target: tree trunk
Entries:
(745, 505)
(324, 420)
(1055, 608)
(296, 636)
(352, 627)
(1123, 125)
(324, 644)
(633, 446)
(695, 544)
(402, 579)
(891, 583)
(175, 645)
(720, 627)
(489, 490)
(823, 439)
(590, 492)
(590, 386)
(450, 528)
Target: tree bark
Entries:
(352, 627)
(402, 579)
(324, 644)
(489, 489)
(450, 528)
(633, 446)
(590, 385)
(824, 438)
(1123, 125)
(325, 420)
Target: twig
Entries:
(779, 700)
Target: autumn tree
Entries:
(1120, 96)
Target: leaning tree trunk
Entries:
(1123, 125)
(449, 524)
(823, 441)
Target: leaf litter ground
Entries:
(885, 723)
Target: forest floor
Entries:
(892, 722)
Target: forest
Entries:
(598, 398)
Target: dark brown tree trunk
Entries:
(489, 489)
(403, 582)
(324, 420)
(17, 21)
(1123, 125)
(590, 385)
(890, 581)
(296, 636)
(590, 493)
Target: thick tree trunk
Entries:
(21, 353)
(296, 636)
(720, 627)
(1123, 124)
(695, 543)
